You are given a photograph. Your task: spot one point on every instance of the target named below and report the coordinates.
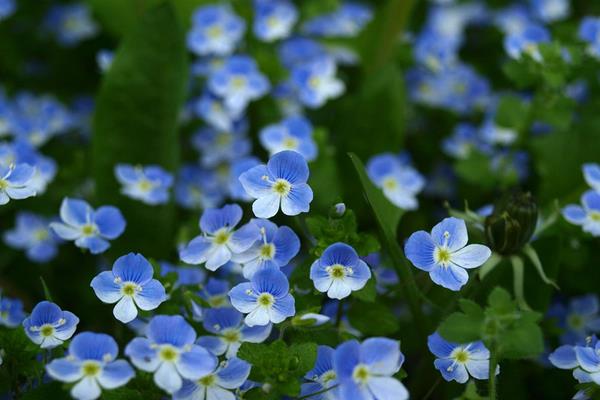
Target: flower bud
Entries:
(512, 223)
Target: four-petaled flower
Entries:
(215, 30)
(33, 235)
(316, 81)
(16, 182)
(339, 271)
(282, 182)
(399, 181)
(149, 184)
(129, 284)
(444, 253)
(170, 353)
(587, 215)
(322, 376)
(89, 228)
(293, 133)
(49, 326)
(219, 241)
(265, 298)
(274, 19)
(91, 363)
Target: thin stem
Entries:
(492, 373)
(316, 393)
(432, 389)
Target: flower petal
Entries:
(115, 374)
(471, 256)
(451, 277)
(125, 310)
(105, 287)
(151, 296)
(457, 233)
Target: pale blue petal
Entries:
(196, 251)
(387, 388)
(439, 346)
(214, 344)
(255, 334)
(254, 183)
(133, 268)
(125, 310)
(588, 359)
(86, 389)
(288, 165)
(457, 233)
(244, 238)
(298, 199)
(94, 244)
(451, 277)
(105, 287)
(171, 329)
(271, 281)
(151, 295)
(419, 249)
(142, 354)
(564, 357)
(574, 214)
(345, 358)
(479, 369)
(241, 300)
(115, 374)
(218, 256)
(591, 200)
(64, 370)
(196, 363)
(65, 232)
(110, 222)
(382, 355)
(93, 346)
(214, 219)
(287, 245)
(75, 212)
(591, 172)
(233, 374)
(283, 308)
(218, 319)
(471, 256)
(451, 371)
(267, 205)
(167, 378)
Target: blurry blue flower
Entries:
(286, 97)
(316, 82)
(169, 352)
(130, 285)
(463, 141)
(16, 182)
(205, 66)
(104, 59)
(299, 50)
(400, 182)
(71, 23)
(578, 90)
(339, 271)
(219, 241)
(149, 184)
(384, 276)
(91, 364)
(321, 376)
(274, 19)
(579, 319)
(589, 31)
(197, 188)
(265, 298)
(49, 326)
(33, 235)
(441, 182)
(215, 293)
(212, 110)
(365, 370)
(90, 229)
(19, 152)
(219, 384)
(513, 19)
(215, 30)
(581, 358)
(275, 248)
(313, 319)
(495, 134)
(526, 42)
(591, 173)
(237, 168)
(587, 215)
(293, 133)
(238, 82)
(229, 332)
(7, 8)
(457, 362)
(219, 146)
(186, 275)
(347, 21)
(444, 253)
(282, 182)
(550, 10)
(435, 51)
(11, 311)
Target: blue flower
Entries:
(237, 168)
(513, 19)
(129, 284)
(219, 146)
(274, 19)
(104, 59)
(170, 353)
(238, 82)
(444, 253)
(526, 42)
(365, 370)
(464, 140)
(11, 312)
(150, 183)
(211, 109)
(591, 173)
(49, 326)
(219, 241)
(215, 30)
(384, 276)
(186, 275)
(275, 249)
(215, 293)
(436, 51)
(16, 182)
(19, 152)
(7, 8)
(298, 51)
(219, 384)
(90, 229)
(316, 82)
(400, 182)
(456, 362)
(589, 31)
(579, 319)
(229, 332)
(293, 133)
(550, 10)
(197, 188)
(265, 298)
(339, 271)
(321, 376)
(282, 182)
(71, 23)
(33, 235)
(582, 358)
(347, 21)
(587, 215)
(92, 364)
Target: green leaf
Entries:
(373, 319)
(461, 328)
(52, 390)
(136, 122)
(535, 260)
(500, 302)
(367, 293)
(522, 341)
(512, 113)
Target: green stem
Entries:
(492, 373)
(317, 393)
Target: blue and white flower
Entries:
(589, 31)
(130, 285)
(365, 370)
(216, 30)
(551, 10)
(280, 183)
(71, 23)
(49, 326)
(265, 298)
(229, 332)
(32, 234)
(7, 8)
(399, 181)
(275, 249)
(587, 215)
(149, 184)
(316, 82)
(321, 377)
(339, 271)
(526, 42)
(591, 173)
(579, 319)
(293, 133)
(92, 365)
(11, 311)
(186, 275)
(215, 293)
(170, 354)
(347, 21)
(236, 169)
(90, 229)
(221, 146)
(197, 188)
(274, 20)
(219, 384)
(212, 110)
(219, 241)
(445, 254)
(457, 362)
(16, 182)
